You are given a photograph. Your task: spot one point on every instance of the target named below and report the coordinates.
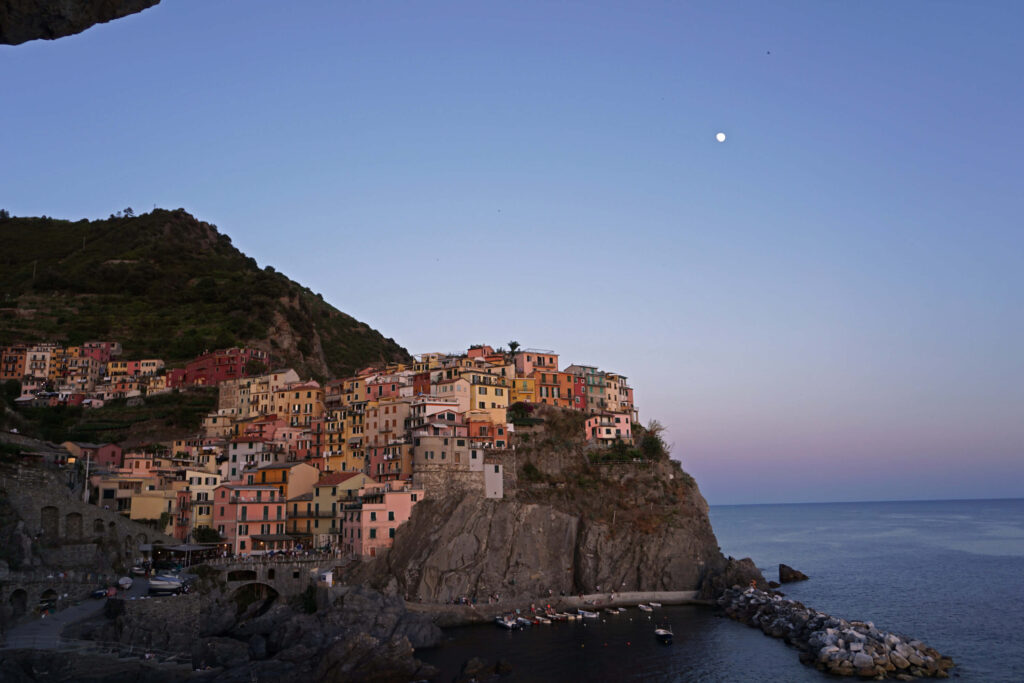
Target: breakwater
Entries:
(833, 644)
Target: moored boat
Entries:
(611, 610)
(125, 582)
(164, 583)
(506, 621)
(523, 621)
(654, 604)
(664, 634)
(645, 608)
(586, 614)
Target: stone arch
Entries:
(18, 602)
(242, 575)
(254, 593)
(73, 525)
(97, 526)
(48, 599)
(49, 521)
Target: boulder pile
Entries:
(832, 644)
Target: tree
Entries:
(255, 367)
(204, 534)
(128, 213)
(652, 443)
(4, 215)
(513, 346)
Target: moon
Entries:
(720, 137)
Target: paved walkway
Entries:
(482, 611)
(43, 632)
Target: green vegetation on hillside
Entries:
(153, 418)
(168, 286)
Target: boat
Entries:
(645, 608)
(586, 614)
(506, 621)
(125, 582)
(523, 621)
(664, 634)
(621, 610)
(164, 583)
(138, 570)
(611, 610)
(654, 604)
(541, 620)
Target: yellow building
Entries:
(292, 479)
(330, 494)
(154, 506)
(523, 390)
(488, 392)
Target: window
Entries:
(373, 516)
(496, 468)
(373, 533)
(391, 515)
(391, 532)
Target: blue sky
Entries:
(827, 306)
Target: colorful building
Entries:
(369, 526)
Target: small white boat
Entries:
(587, 614)
(654, 604)
(541, 620)
(524, 622)
(506, 621)
(645, 608)
(611, 610)
(125, 582)
(664, 634)
(621, 610)
(164, 583)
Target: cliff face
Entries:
(478, 547)
(572, 520)
(24, 20)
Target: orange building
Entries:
(12, 363)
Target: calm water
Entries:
(948, 572)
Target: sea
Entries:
(949, 573)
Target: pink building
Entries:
(101, 351)
(250, 518)
(528, 360)
(368, 527)
(607, 428)
(384, 386)
(105, 455)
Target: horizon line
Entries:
(839, 502)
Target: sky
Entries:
(827, 306)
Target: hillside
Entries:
(168, 286)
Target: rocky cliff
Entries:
(24, 20)
(639, 524)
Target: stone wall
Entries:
(60, 543)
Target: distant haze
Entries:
(829, 306)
